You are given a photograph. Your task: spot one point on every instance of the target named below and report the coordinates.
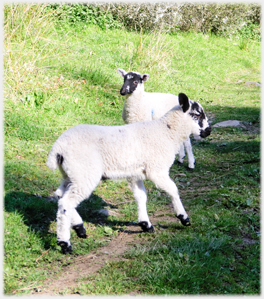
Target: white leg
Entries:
(165, 183)
(63, 186)
(140, 195)
(61, 190)
(67, 215)
(64, 215)
(181, 154)
(188, 147)
(77, 224)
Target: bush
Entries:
(222, 19)
(218, 18)
(90, 14)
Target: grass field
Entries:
(68, 77)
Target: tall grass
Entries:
(152, 51)
(30, 47)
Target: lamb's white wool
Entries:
(140, 105)
(85, 154)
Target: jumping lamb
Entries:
(140, 105)
(85, 154)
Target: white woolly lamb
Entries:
(85, 154)
(140, 105)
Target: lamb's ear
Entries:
(121, 72)
(145, 77)
(184, 102)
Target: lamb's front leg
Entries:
(164, 182)
(140, 195)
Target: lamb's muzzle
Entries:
(206, 132)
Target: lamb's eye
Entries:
(196, 115)
(135, 82)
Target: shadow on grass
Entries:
(39, 212)
(225, 146)
(222, 113)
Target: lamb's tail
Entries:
(55, 157)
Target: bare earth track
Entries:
(81, 267)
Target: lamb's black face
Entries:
(131, 81)
(197, 113)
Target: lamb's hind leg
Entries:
(63, 186)
(165, 183)
(77, 224)
(188, 147)
(61, 190)
(181, 154)
(140, 195)
(67, 215)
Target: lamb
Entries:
(140, 105)
(85, 154)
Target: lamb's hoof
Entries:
(179, 163)
(65, 248)
(80, 230)
(185, 222)
(145, 228)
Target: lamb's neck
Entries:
(178, 124)
(136, 96)
(133, 110)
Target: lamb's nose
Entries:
(122, 91)
(205, 132)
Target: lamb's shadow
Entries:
(39, 212)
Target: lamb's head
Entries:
(133, 81)
(202, 127)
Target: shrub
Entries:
(217, 18)
(222, 19)
(87, 13)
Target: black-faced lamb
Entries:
(85, 154)
(140, 105)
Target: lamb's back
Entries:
(159, 104)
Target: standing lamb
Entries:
(140, 105)
(85, 154)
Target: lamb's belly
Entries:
(122, 173)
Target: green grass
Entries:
(220, 252)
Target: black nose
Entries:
(123, 91)
(206, 132)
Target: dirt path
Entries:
(83, 266)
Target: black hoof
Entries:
(145, 228)
(80, 230)
(193, 167)
(179, 163)
(65, 247)
(185, 222)
(190, 169)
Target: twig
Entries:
(85, 257)
(26, 288)
(42, 254)
(121, 203)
